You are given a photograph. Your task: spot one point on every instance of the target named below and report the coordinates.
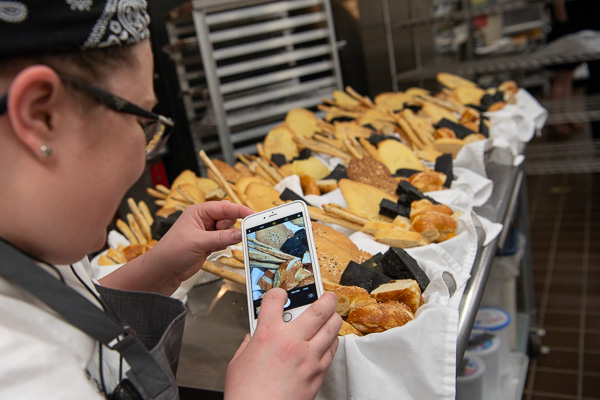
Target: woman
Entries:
(69, 151)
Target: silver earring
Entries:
(46, 151)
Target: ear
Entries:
(32, 102)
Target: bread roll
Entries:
(403, 291)
(351, 297)
(379, 317)
(348, 329)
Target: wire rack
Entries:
(575, 109)
(242, 65)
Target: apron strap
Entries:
(79, 312)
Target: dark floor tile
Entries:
(561, 319)
(592, 303)
(550, 396)
(564, 301)
(593, 288)
(573, 276)
(570, 246)
(593, 276)
(591, 341)
(592, 321)
(555, 382)
(539, 286)
(591, 385)
(563, 288)
(591, 362)
(562, 340)
(559, 359)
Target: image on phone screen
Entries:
(280, 257)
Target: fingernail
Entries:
(236, 235)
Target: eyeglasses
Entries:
(157, 128)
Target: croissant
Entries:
(434, 222)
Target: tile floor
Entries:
(564, 211)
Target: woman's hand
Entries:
(285, 360)
(199, 231)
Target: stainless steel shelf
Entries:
(533, 61)
(462, 15)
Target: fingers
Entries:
(317, 315)
(271, 308)
(326, 340)
(221, 210)
(219, 240)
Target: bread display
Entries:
(381, 159)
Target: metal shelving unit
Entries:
(242, 65)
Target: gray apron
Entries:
(145, 328)
(158, 322)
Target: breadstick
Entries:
(344, 213)
(320, 215)
(231, 262)
(155, 193)
(351, 149)
(238, 255)
(125, 230)
(213, 269)
(222, 181)
(135, 228)
(141, 220)
(163, 189)
(363, 99)
(146, 212)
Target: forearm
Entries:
(143, 274)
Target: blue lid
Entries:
(491, 319)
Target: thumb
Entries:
(271, 308)
(242, 347)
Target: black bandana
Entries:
(30, 27)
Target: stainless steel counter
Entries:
(217, 318)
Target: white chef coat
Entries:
(43, 357)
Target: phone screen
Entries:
(280, 257)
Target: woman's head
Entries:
(58, 203)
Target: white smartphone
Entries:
(279, 251)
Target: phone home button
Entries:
(287, 317)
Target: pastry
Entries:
(351, 297)
(379, 317)
(404, 291)
(348, 329)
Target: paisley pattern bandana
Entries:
(30, 27)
